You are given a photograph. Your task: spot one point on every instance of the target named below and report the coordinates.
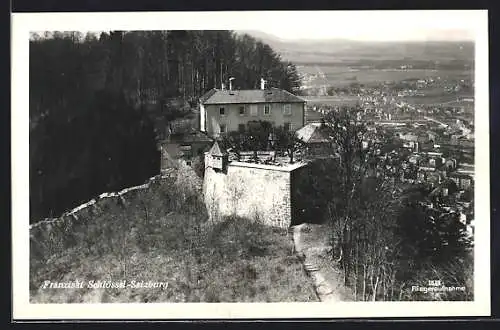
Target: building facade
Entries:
(223, 111)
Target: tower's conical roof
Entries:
(216, 150)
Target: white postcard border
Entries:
(24, 23)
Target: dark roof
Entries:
(191, 136)
(460, 175)
(272, 95)
(216, 150)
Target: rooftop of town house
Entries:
(433, 153)
(312, 133)
(459, 175)
(242, 96)
(460, 171)
(466, 166)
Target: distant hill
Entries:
(338, 50)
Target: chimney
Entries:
(231, 83)
(262, 83)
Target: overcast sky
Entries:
(376, 34)
(372, 25)
(358, 25)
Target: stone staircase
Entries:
(314, 254)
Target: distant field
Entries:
(445, 100)
(348, 51)
(331, 100)
(344, 75)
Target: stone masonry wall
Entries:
(53, 234)
(249, 190)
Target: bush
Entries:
(199, 166)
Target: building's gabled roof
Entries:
(216, 150)
(272, 95)
(208, 95)
(312, 133)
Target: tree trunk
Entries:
(374, 297)
(392, 286)
(364, 281)
(356, 275)
(383, 284)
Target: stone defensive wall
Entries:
(251, 190)
(52, 230)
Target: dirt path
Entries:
(311, 243)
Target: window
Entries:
(241, 128)
(242, 110)
(287, 109)
(185, 149)
(254, 110)
(267, 109)
(222, 128)
(287, 126)
(222, 111)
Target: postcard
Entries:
(260, 164)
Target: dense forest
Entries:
(98, 102)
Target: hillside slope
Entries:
(161, 234)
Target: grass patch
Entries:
(163, 235)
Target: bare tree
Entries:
(288, 142)
(346, 132)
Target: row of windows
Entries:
(242, 127)
(254, 110)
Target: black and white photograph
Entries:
(243, 160)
